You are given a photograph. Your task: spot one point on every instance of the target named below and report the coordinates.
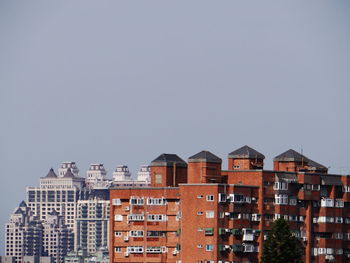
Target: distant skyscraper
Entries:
(58, 239)
(23, 234)
(59, 193)
(92, 223)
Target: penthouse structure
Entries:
(195, 211)
(122, 177)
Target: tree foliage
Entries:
(280, 246)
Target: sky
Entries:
(120, 82)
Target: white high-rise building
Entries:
(59, 193)
(92, 224)
(121, 173)
(58, 239)
(96, 176)
(23, 234)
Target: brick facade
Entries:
(198, 212)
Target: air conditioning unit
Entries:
(304, 239)
(175, 252)
(127, 208)
(329, 257)
(126, 254)
(126, 238)
(227, 213)
(253, 199)
(227, 230)
(220, 261)
(227, 246)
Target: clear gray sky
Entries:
(120, 82)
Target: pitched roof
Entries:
(294, 156)
(204, 156)
(290, 156)
(18, 211)
(316, 165)
(22, 204)
(167, 159)
(246, 152)
(69, 174)
(51, 173)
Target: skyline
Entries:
(119, 83)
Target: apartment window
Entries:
(281, 199)
(209, 214)
(156, 201)
(281, 185)
(339, 203)
(346, 189)
(248, 248)
(136, 201)
(293, 201)
(118, 218)
(255, 217)
(158, 179)
(135, 249)
(199, 213)
(209, 247)
(116, 201)
(338, 235)
(293, 218)
(209, 231)
(156, 218)
(155, 249)
(155, 234)
(199, 246)
(325, 219)
(210, 198)
(339, 220)
(237, 198)
(117, 249)
(236, 167)
(199, 196)
(316, 187)
(117, 234)
(327, 202)
(136, 233)
(136, 217)
(222, 198)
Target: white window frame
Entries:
(156, 218)
(134, 200)
(136, 217)
(136, 233)
(209, 214)
(135, 249)
(118, 218)
(156, 201)
(209, 247)
(327, 202)
(210, 198)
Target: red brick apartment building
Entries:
(197, 212)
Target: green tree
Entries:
(280, 246)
